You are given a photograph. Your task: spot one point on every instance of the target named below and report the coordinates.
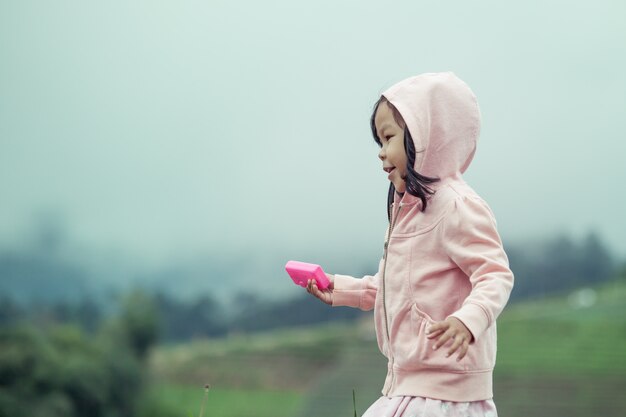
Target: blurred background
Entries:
(161, 161)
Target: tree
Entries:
(138, 322)
(61, 372)
(597, 264)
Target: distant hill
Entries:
(41, 275)
(547, 349)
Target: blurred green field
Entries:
(560, 356)
(564, 356)
(284, 359)
(554, 336)
(186, 401)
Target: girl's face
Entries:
(392, 152)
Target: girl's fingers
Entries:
(445, 331)
(437, 329)
(324, 296)
(458, 341)
(463, 351)
(461, 344)
(444, 339)
(434, 333)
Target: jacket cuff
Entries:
(474, 317)
(347, 291)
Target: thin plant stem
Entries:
(207, 387)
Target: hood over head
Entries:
(442, 115)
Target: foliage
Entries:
(59, 370)
(256, 315)
(138, 323)
(559, 264)
(52, 286)
(181, 320)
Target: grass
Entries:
(175, 400)
(554, 358)
(552, 336)
(289, 359)
(560, 359)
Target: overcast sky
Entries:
(164, 129)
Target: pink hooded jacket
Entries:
(445, 261)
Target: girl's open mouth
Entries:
(389, 170)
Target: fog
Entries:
(154, 133)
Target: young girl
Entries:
(444, 276)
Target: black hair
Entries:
(416, 184)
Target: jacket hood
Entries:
(442, 115)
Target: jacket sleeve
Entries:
(471, 240)
(356, 292)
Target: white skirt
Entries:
(427, 407)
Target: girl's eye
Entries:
(388, 137)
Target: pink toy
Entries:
(301, 272)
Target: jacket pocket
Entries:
(419, 354)
(379, 324)
(481, 354)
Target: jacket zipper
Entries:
(393, 222)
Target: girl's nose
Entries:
(381, 154)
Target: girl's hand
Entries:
(451, 328)
(325, 295)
